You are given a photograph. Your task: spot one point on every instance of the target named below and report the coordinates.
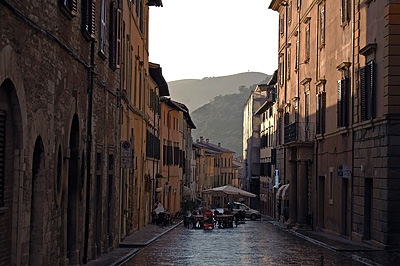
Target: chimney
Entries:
(207, 140)
(201, 139)
(219, 144)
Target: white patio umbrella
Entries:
(228, 190)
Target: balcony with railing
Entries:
(299, 132)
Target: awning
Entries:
(279, 192)
(285, 192)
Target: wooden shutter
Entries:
(363, 92)
(93, 18)
(103, 27)
(339, 104)
(371, 89)
(73, 6)
(322, 24)
(308, 41)
(2, 155)
(297, 52)
(345, 101)
(88, 18)
(118, 37)
(112, 37)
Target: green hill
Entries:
(221, 120)
(194, 93)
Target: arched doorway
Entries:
(37, 201)
(73, 194)
(10, 142)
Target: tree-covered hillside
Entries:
(221, 120)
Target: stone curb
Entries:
(127, 257)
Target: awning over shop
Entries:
(281, 193)
(285, 192)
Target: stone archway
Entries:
(73, 194)
(11, 143)
(38, 199)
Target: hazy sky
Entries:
(211, 38)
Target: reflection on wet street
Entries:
(252, 243)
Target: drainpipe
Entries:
(89, 151)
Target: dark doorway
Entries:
(345, 207)
(368, 209)
(73, 193)
(321, 202)
(38, 198)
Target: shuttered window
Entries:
(69, 7)
(115, 35)
(88, 25)
(343, 102)
(307, 42)
(103, 15)
(368, 91)
(297, 52)
(345, 11)
(320, 112)
(289, 62)
(322, 24)
(2, 155)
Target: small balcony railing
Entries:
(299, 132)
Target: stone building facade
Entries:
(251, 145)
(59, 127)
(337, 100)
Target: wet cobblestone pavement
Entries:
(252, 243)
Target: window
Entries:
(297, 52)
(102, 45)
(343, 102)
(307, 107)
(69, 7)
(298, 4)
(88, 25)
(281, 70)
(322, 25)
(368, 91)
(289, 62)
(345, 11)
(3, 116)
(176, 153)
(115, 35)
(307, 42)
(281, 24)
(290, 13)
(320, 112)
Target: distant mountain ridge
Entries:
(195, 93)
(221, 119)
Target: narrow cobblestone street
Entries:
(252, 243)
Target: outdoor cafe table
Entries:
(197, 221)
(224, 220)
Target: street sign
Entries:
(344, 171)
(126, 154)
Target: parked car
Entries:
(250, 213)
